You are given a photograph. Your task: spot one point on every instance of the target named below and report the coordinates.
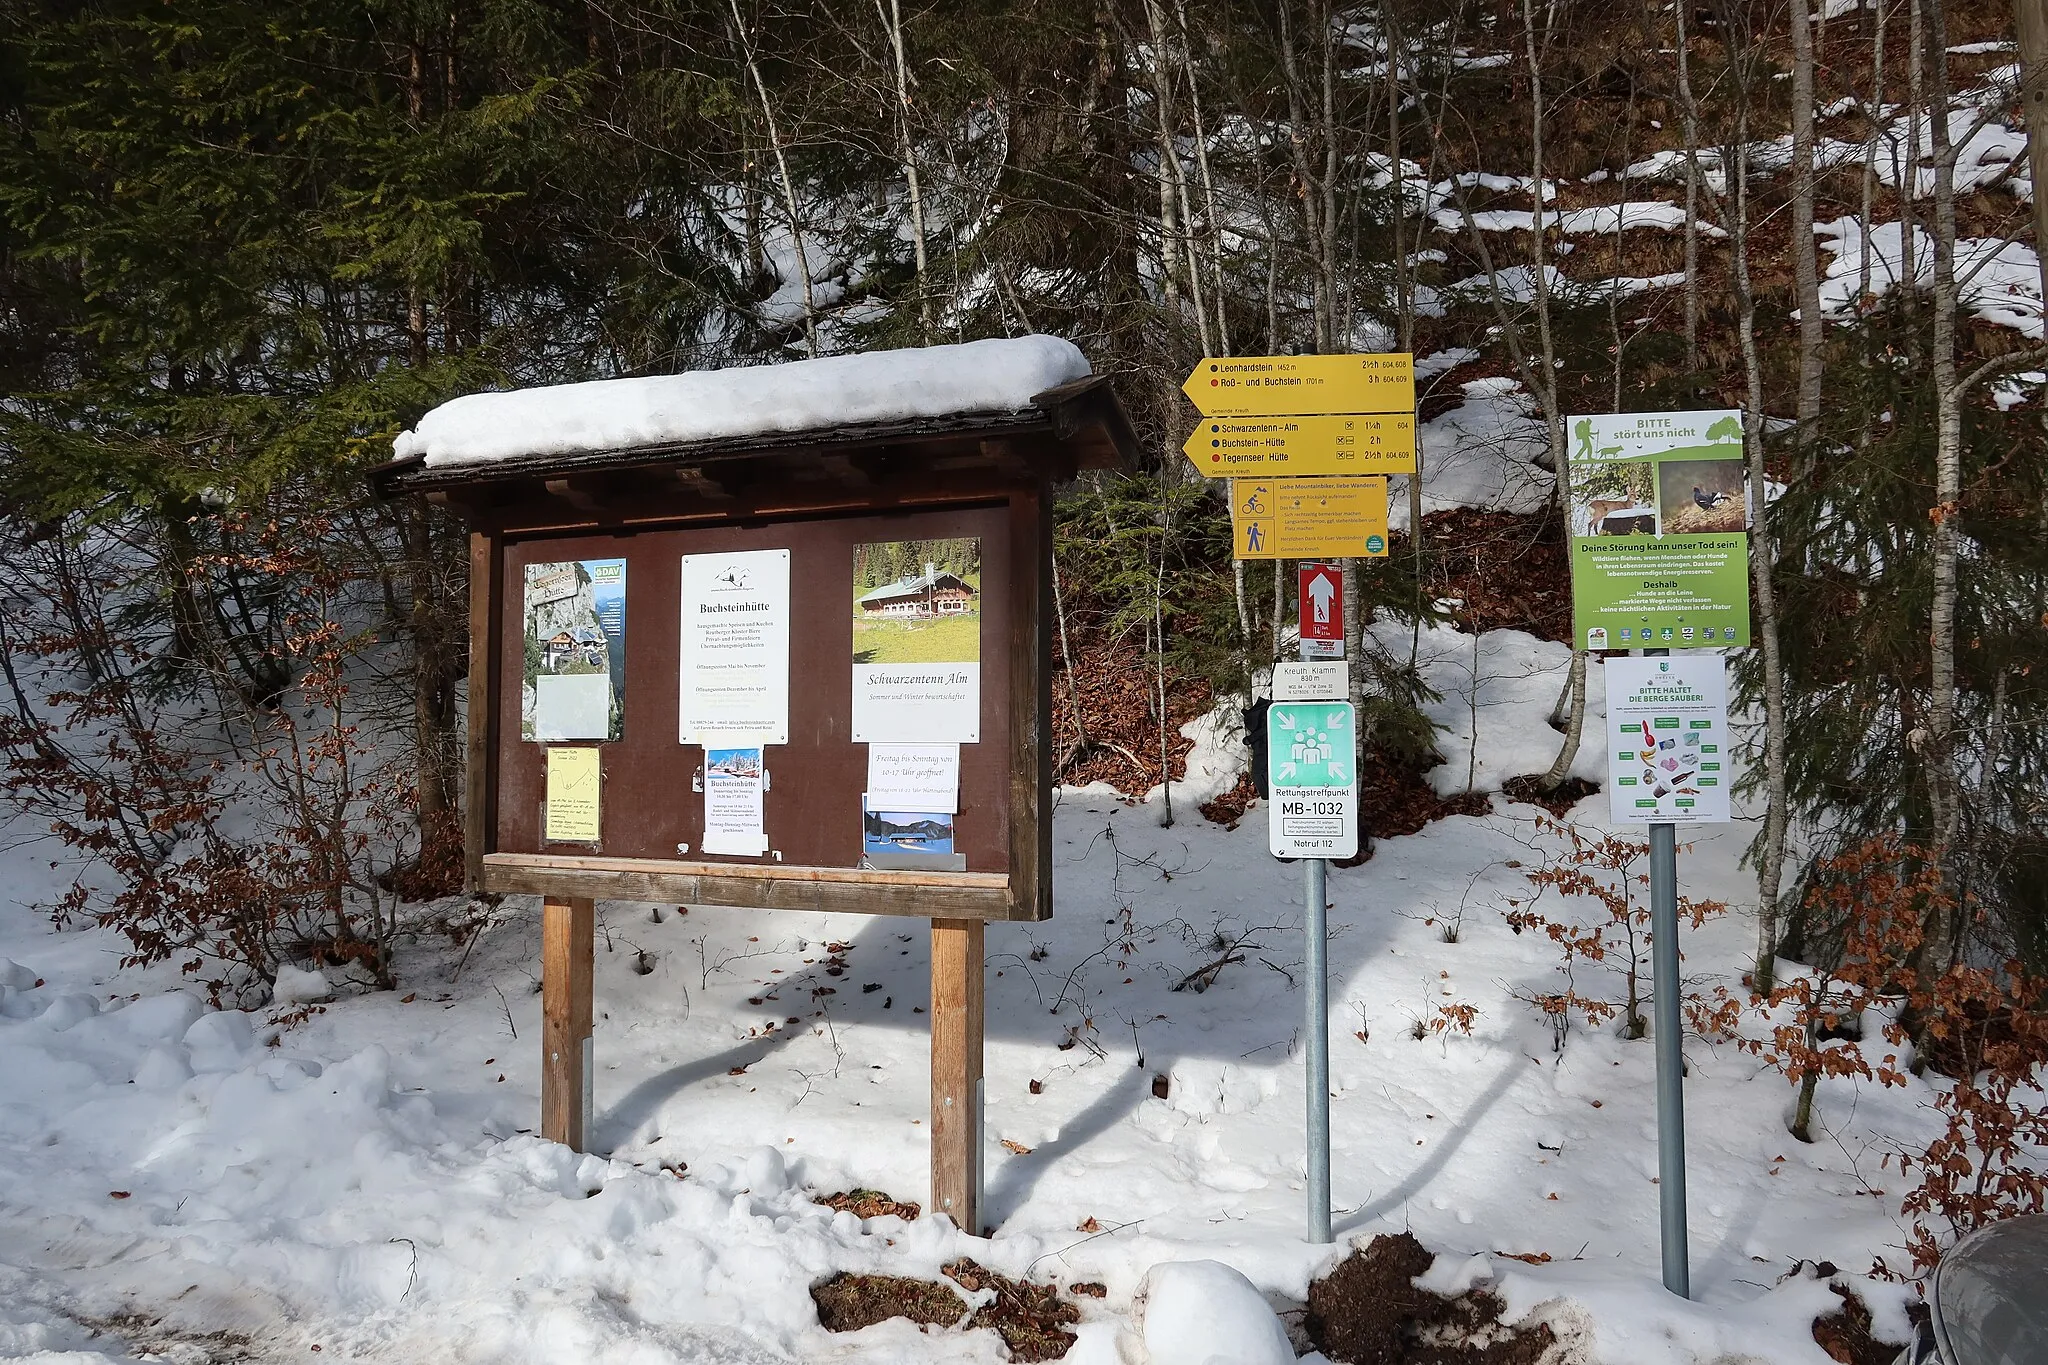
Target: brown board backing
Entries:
(812, 808)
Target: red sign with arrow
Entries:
(1321, 599)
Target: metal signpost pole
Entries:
(1667, 752)
(1670, 1057)
(1305, 443)
(1311, 775)
(1318, 1060)
(1670, 1052)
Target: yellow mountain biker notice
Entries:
(1353, 443)
(1279, 385)
(1309, 518)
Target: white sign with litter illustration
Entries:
(1312, 774)
(1667, 739)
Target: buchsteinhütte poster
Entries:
(917, 642)
(574, 681)
(734, 687)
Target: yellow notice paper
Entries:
(572, 796)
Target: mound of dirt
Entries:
(849, 1302)
(1032, 1319)
(871, 1204)
(1846, 1335)
(1558, 801)
(1368, 1311)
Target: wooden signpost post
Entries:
(607, 586)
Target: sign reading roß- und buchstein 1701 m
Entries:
(1659, 530)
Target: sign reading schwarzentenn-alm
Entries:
(1659, 530)
(1297, 415)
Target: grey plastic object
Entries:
(1990, 1298)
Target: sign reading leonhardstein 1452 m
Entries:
(1659, 530)
(1290, 385)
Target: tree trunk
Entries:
(1310, 196)
(1908, 280)
(1805, 262)
(892, 22)
(1690, 115)
(1169, 162)
(1059, 608)
(1948, 482)
(1279, 603)
(2033, 33)
(1220, 336)
(1762, 556)
(1872, 108)
(1575, 726)
(1404, 298)
(432, 721)
(1553, 420)
(796, 225)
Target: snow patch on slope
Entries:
(1481, 453)
(1495, 695)
(1999, 281)
(1601, 219)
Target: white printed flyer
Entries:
(732, 802)
(735, 648)
(922, 777)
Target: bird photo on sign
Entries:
(1701, 497)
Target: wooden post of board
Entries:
(567, 930)
(956, 1071)
(479, 806)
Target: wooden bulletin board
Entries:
(812, 808)
(817, 494)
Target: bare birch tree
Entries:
(891, 15)
(1805, 254)
(796, 222)
(1762, 554)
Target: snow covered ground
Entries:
(215, 1186)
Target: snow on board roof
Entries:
(708, 405)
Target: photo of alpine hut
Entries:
(920, 597)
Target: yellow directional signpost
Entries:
(1305, 441)
(1345, 443)
(1309, 518)
(1292, 385)
(1292, 433)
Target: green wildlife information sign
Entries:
(1659, 509)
